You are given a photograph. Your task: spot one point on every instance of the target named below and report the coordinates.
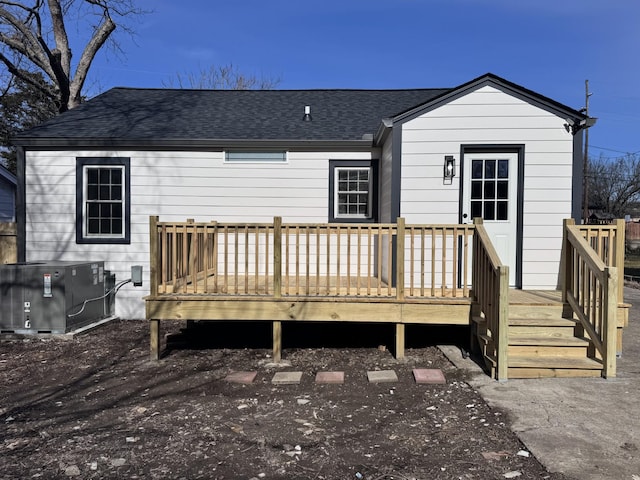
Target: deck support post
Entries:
(610, 339)
(399, 341)
(619, 257)
(277, 257)
(154, 340)
(502, 367)
(400, 226)
(154, 260)
(277, 342)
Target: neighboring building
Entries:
(7, 195)
(488, 148)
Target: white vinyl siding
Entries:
(175, 186)
(489, 116)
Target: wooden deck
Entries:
(392, 273)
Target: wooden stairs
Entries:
(541, 342)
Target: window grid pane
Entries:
(354, 189)
(104, 204)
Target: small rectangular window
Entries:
(352, 188)
(255, 157)
(353, 197)
(102, 203)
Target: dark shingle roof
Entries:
(190, 115)
(183, 118)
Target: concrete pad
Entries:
(586, 428)
(429, 376)
(330, 377)
(241, 377)
(382, 376)
(287, 378)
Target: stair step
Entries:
(551, 362)
(540, 311)
(551, 373)
(547, 341)
(541, 322)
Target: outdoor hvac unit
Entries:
(42, 297)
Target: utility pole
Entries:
(585, 167)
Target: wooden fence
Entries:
(8, 243)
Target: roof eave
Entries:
(187, 144)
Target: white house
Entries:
(89, 179)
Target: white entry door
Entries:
(490, 192)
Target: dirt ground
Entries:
(96, 407)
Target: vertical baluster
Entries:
(317, 228)
(390, 271)
(348, 260)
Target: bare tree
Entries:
(226, 77)
(614, 184)
(33, 38)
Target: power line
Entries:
(614, 150)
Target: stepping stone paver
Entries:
(429, 375)
(241, 377)
(330, 377)
(382, 376)
(286, 378)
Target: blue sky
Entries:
(549, 46)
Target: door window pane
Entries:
(489, 211)
(489, 190)
(503, 168)
(502, 213)
(476, 209)
(476, 190)
(476, 169)
(489, 169)
(503, 190)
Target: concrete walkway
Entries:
(587, 429)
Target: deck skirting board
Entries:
(278, 310)
(437, 313)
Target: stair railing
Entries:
(490, 284)
(590, 288)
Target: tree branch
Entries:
(15, 71)
(98, 39)
(60, 36)
(30, 46)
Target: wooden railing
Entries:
(608, 241)
(591, 286)
(275, 259)
(491, 291)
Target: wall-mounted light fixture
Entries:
(449, 168)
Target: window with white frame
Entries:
(352, 188)
(102, 210)
(246, 156)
